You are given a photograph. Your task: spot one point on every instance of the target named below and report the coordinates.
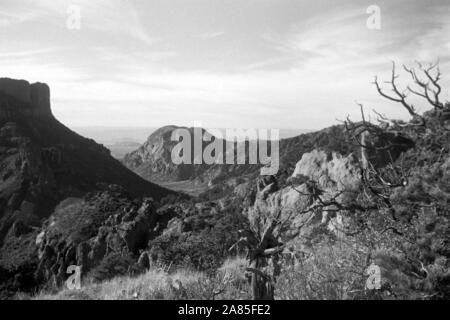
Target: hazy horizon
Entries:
(110, 135)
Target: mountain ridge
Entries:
(43, 162)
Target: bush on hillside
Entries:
(204, 247)
(113, 265)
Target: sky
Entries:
(221, 63)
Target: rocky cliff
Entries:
(34, 98)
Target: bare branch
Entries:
(427, 86)
(400, 97)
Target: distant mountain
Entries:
(152, 160)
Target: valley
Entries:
(66, 201)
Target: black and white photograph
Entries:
(224, 150)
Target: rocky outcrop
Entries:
(331, 171)
(83, 232)
(34, 98)
(336, 176)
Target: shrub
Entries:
(204, 247)
(331, 271)
(111, 266)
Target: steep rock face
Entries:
(40, 98)
(34, 98)
(19, 89)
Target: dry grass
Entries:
(234, 268)
(152, 285)
(331, 272)
(229, 283)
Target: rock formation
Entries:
(333, 173)
(83, 231)
(34, 98)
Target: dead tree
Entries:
(380, 182)
(425, 85)
(264, 245)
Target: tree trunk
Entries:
(262, 288)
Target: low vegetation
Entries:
(156, 284)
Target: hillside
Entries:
(42, 162)
(152, 161)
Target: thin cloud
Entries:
(211, 35)
(27, 53)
